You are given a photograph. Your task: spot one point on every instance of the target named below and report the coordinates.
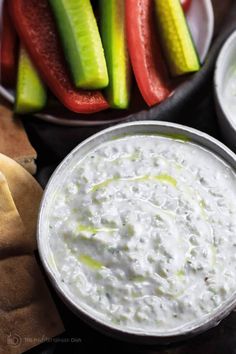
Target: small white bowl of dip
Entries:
(225, 90)
(137, 231)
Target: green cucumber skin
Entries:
(173, 72)
(81, 42)
(114, 41)
(31, 94)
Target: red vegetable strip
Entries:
(8, 49)
(35, 25)
(186, 4)
(145, 52)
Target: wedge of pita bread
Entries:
(28, 314)
(26, 193)
(12, 232)
(14, 141)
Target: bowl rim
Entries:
(148, 337)
(229, 43)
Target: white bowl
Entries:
(62, 172)
(225, 71)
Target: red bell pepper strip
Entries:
(186, 4)
(35, 25)
(145, 52)
(8, 50)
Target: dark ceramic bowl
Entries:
(201, 22)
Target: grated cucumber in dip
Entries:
(143, 231)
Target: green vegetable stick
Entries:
(114, 41)
(81, 42)
(31, 95)
(176, 40)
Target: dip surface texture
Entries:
(142, 232)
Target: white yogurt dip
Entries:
(143, 231)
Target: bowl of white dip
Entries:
(225, 90)
(137, 231)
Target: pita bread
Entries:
(28, 315)
(12, 231)
(14, 141)
(26, 193)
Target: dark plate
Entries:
(201, 22)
